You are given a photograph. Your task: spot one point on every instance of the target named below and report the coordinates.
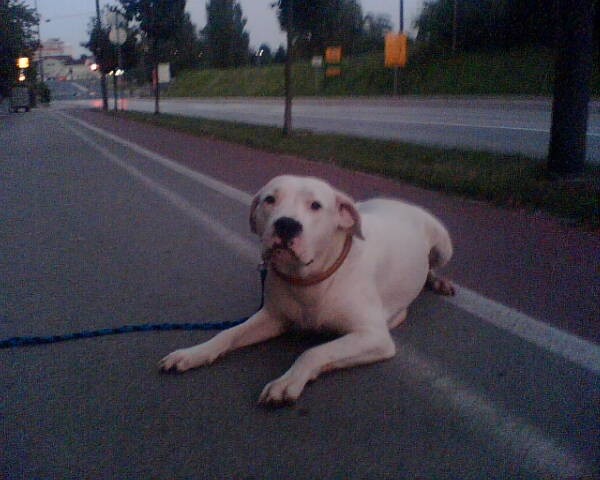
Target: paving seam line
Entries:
(568, 346)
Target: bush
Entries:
(44, 93)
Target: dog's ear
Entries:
(253, 207)
(348, 216)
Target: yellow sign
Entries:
(23, 62)
(396, 50)
(333, 54)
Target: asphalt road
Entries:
(490, 124)
(99, 232)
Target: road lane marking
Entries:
(571, 347)
(218, 113)
(210, 182)
(522, 441)
(512, 437)
(561, 343)
(234, 240)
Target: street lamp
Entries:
(23, 62)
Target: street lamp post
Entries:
(102, 74)
(41, 46)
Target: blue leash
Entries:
(149, 327)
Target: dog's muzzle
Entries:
(287, 229)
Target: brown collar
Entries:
(318, 277)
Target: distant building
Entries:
(55, 47)
(58, 63)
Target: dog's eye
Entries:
(269, 199)
(315, 206)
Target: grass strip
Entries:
(505, 180)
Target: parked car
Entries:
(20, 98)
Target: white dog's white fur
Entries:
(395, 247)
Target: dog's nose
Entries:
(287, 228)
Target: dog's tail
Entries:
(441, 245)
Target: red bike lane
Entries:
(530, 262)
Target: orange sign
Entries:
(333, 54)
(396, 50)
(333, 72)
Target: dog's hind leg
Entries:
(440, 254)
(439, 285)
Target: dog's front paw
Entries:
(283, 391)
(185, 359)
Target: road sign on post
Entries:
(333, 58)
(333, 55)
(117, 36)
(164, 72)
(396, 50)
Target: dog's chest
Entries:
(310, 310)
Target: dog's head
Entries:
(298, 220)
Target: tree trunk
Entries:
(157, 80)
(287, 116)
(571, 87)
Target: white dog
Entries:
(352, 269)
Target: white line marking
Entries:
(513, 438)
(210, 182)
(571, 347)
(231, 238)
(511, 435)
(568, 346)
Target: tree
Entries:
(574, 65)
(322, 23)
(16, 39)
(159, 20)
(107, 54)
(287, 21)
(263, 55)
(185, 48)
(488, 24)
(374, 29)
(226, 41)
(280, 55)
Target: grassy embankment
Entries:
(511, 181)
(522, 72)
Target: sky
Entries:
(69, 19)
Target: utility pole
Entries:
(41, 46)
(401, 23)
(287, 116)
(574, 62)
(102, 74)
